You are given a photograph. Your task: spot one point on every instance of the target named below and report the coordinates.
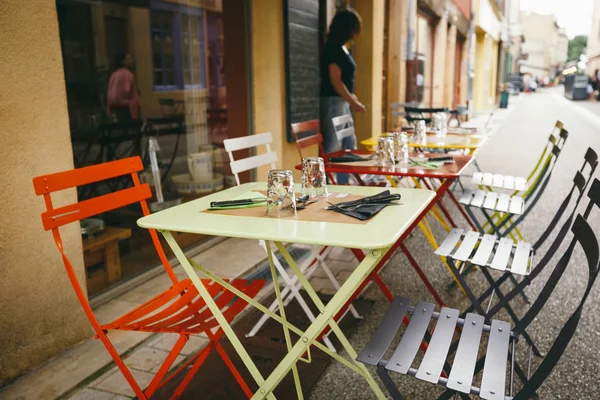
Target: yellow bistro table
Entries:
(378, 236)
(469, 142)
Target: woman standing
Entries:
(338, 71)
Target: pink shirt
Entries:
(122, 92)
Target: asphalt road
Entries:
(514, 149)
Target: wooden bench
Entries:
(104, 246)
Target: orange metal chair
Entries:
(179, 309)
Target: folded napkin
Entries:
(426, 164)
(366, 210)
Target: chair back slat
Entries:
(341, 120)
(252, 162)
(248, 163)
(247, 142)
(97, 205)
(83, 176)
(303, 142)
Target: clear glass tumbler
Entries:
(401, 147)
(386, 151)
(281, 199)
(314, 181)
(420, 132)
(442, 124)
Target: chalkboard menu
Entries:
(301, 36)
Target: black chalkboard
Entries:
(302, 44)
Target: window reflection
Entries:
(137, 69)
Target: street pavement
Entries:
(513, 150)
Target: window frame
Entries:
(177, 11)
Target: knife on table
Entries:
(241, 202)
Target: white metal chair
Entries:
(317, 256)
(344, 126)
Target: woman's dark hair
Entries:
(344, 25)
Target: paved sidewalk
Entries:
(87, 372)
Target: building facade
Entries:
(545, 45)
(593, 41)
(205, 70)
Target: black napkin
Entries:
(348, 157)
(363, 212)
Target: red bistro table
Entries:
(447, 174)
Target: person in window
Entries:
(122, 100)
(338, 71)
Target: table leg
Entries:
(210, 303)
(327, 312)
(286, 331)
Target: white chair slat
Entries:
(478, 199)
(498, 180)
(249, 163)
(509, 182)
(503, 202)
(466, 247)
(484, 250)
(246, 142)
(477, 177)
(344, 133)
(516, 205)
(502, 255)
(449, 242)
(490, 200)
(487, 179)
(521, 184)
(341, 120)
(466, 197)
(520, 261)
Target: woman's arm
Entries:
(335, 75)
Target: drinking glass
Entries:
(314, 182)
(442, 124)
(386, 151)
(401, 148)
(420, 130)
(281, 200)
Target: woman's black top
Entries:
(333, 53)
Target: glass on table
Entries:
(386, 151)
(441, 124)
(401, 148)
(281, 200)
(420, 130)
(314, 181)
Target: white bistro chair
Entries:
(317, 256)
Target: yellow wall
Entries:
(368, 54)
(268, 84)
(39, 316)
(396, 63)
(441, 58)
(486, 70)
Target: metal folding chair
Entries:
(459, 377)
(179, 309)
(317, 256)
(464, 250)
(506, 207)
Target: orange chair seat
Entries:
(180, 309)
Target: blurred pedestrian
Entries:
(122, 100)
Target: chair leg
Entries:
(157, 381)
(117, 359)
(387, 382)
(215, 339)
